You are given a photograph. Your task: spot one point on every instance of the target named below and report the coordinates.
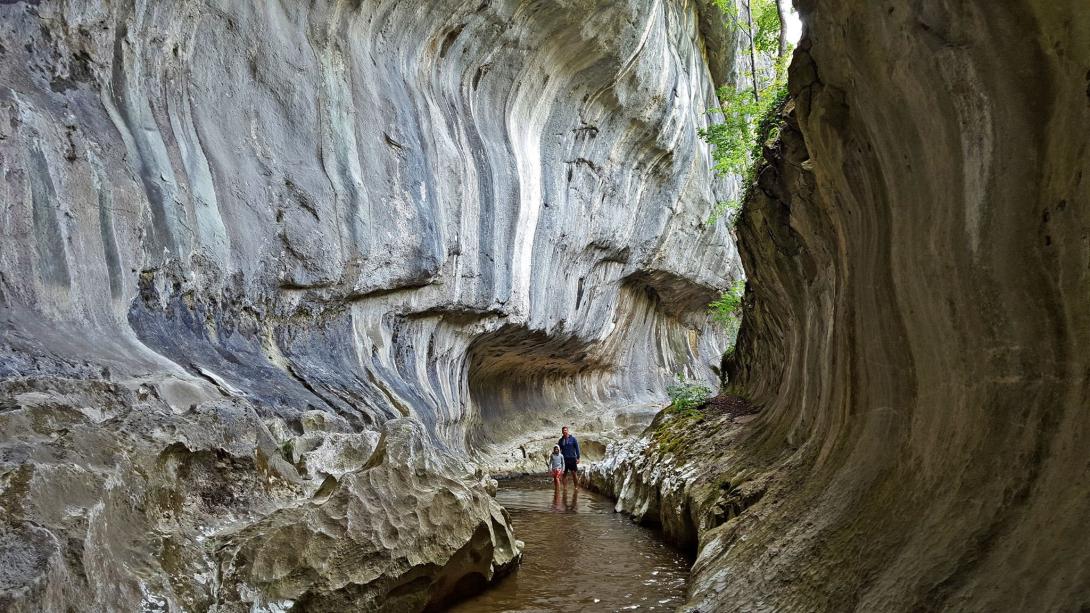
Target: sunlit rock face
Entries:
(918, 330)
(221, 220)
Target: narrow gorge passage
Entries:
(285, 287)
(580, 555)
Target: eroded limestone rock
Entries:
(240, 242)
(480, 215)
(193, 511)
(917, 329)
(680, 475)
(406, 531)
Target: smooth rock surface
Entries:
(449, 210)
(240, 242)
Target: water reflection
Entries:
(561, 502)
(580, 555)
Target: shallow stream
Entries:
(581, 556)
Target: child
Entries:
(556, 465)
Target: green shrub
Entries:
(768, 128)
(766, 23)
(739, 140)
(752, 102)
(728, 308)
(672, 435)
(730, 208)
(733, 138)
(686, 396)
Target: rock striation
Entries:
(916, 334)
(271, 273)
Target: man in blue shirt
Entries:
(569, 448)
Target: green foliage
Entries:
(730, 208)
(767, 129)
(738, 141)
(686, 396)
(733, 138)
(766, 27)
(684, 414)
(728, 308)
(729, 8)
(748, 106)
(766, 22)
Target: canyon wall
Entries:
(272, 272)
(917, 329)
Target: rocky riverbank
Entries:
(679, 474)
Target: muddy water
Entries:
(581, 556)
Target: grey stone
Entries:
(916, 333)
(269, 267)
